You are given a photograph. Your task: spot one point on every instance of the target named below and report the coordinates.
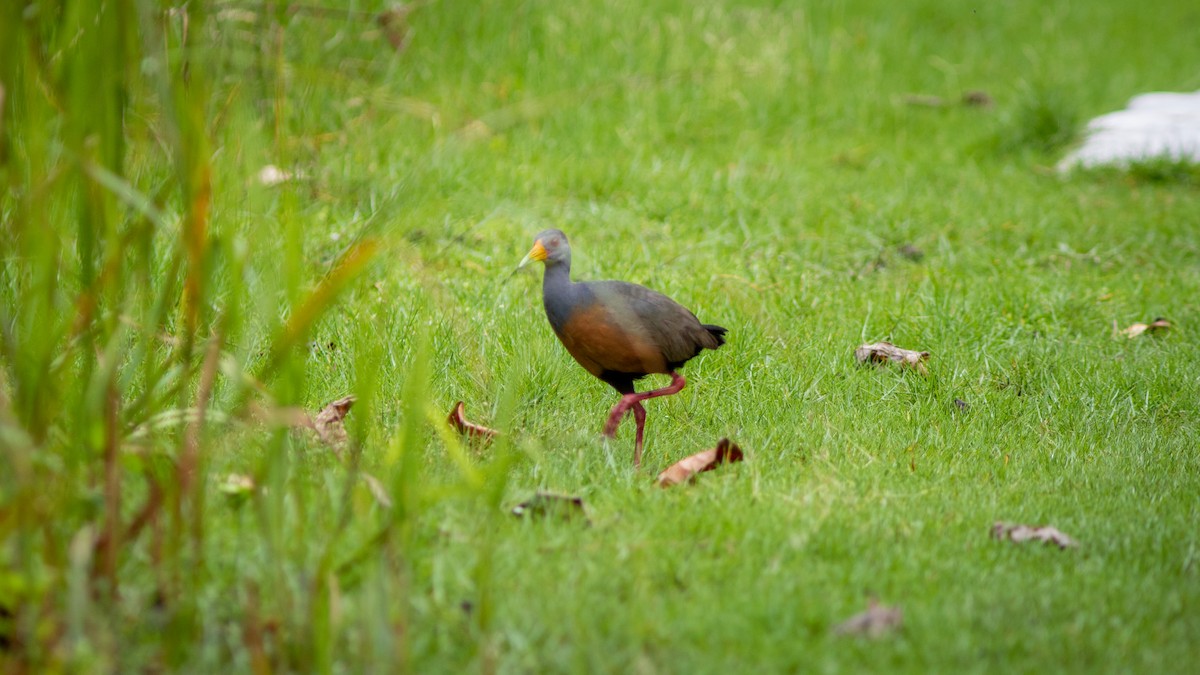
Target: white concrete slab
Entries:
(1158, 125)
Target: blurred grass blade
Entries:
(352, 263)
(126, 193)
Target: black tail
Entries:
(717, 332)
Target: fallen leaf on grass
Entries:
(458, 420)
(977, 99)
(1137, 329)
(874, 622)
(394, 22)
(329, 422)
(543, 504)
(882, 352)
(687, 468)
(1022, 533)
(910, 252)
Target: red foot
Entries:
(633, 402)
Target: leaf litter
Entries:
(726, 452)
(394, 24)
(886, 352)
(1159, 325)
(876, 621)
(458, 420)
(329, 423)
(1022, 533)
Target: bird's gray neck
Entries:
(558, 294)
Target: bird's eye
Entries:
(553, 243)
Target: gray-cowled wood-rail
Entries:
(620, 332)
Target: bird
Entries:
(618, 331)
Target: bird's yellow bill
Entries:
(538, 252)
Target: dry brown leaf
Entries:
(329, 422)
(977, 99)
(394, 23)
(910, 252)
(874, 622)
(687, 468)
(543, 504)
(1155, 326)
(458, 420)
(883, 352)
(1023, 533)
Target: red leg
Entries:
(639, 415)
(614, 418)
(629, 401)
(677, 384)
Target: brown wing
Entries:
(601, 339)
(652, 321)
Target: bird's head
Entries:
(549, 246)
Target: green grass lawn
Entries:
(765, 164)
